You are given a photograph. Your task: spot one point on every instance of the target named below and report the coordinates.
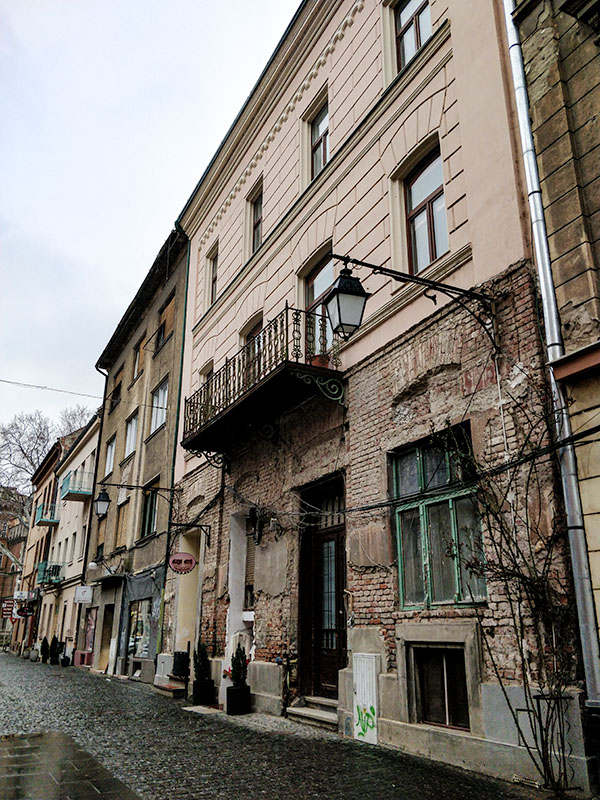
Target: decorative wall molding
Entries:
(304, 86)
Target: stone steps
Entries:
(318, 711)
(170, 689)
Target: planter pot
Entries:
(65, 661)
(238, 700)
(203, 692)
(54, 660)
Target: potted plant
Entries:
(203, 687)
(54, 651)
(238, 695)
(44, 650)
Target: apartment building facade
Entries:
(65, 568)
(40, 569)
(338, 533)
(15, 510)
(119, 628)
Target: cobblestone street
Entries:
(162, 752)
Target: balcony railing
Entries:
(50, 572)
(294, 336)
(77, 486)
(46, 514)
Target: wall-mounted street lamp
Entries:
(102, 502)
(345, 302)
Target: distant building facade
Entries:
(119, 629)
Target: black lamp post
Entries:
(101, 503)
(345, 304)
(345, 301)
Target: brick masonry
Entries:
(440, 372)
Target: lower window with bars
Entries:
(440, 686)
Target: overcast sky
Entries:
(110, 111)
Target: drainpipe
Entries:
(91, 508)
(159, 641)
(588, 631)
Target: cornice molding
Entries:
(191, 227)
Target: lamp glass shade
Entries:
(345, 304)
(101, 503)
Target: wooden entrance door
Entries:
(323, 619)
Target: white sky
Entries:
(110, 110)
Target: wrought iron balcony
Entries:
(77, 486)
(50, 572)
(293, 356)
(46, 514)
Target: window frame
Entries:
(111, 447)
(426, 205)
(212, 275)
(128, 423)
(166, 323)
(400, 33)
(453, 491)
(149, 526)
(321, 143)
(256, 222)
(158, 417)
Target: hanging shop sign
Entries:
(21, 596)
(7, 608)
(25, 611)
(182, 563)
(84, 594)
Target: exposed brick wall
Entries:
(440, 372)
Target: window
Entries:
(149, 513)
(319, 140)
(165, 323)
(122, 514)
(115, 396)
(426, 214)
(256, 219)
(83, 540)
(73, 547)
(140, 614)
(131, 434)
(110, 456)
(437, 524)
(138, 359)
(249, 572)
(318, 328)
(413, 28)
(440, 683)
(212, 266)
(159, 406)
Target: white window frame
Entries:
(160, 398)
(110, 455)
(131, 434)
(320, 99)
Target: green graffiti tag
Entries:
(366, 719)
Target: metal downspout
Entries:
(588, 630)
(160, 638)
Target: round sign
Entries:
(25, 611)
(182, 563)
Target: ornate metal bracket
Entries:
(217, 460)
(331, 388)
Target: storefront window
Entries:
(139, 629)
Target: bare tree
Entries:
(26, 439)
(72, 419)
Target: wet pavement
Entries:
(107, 738)
(50, 766)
